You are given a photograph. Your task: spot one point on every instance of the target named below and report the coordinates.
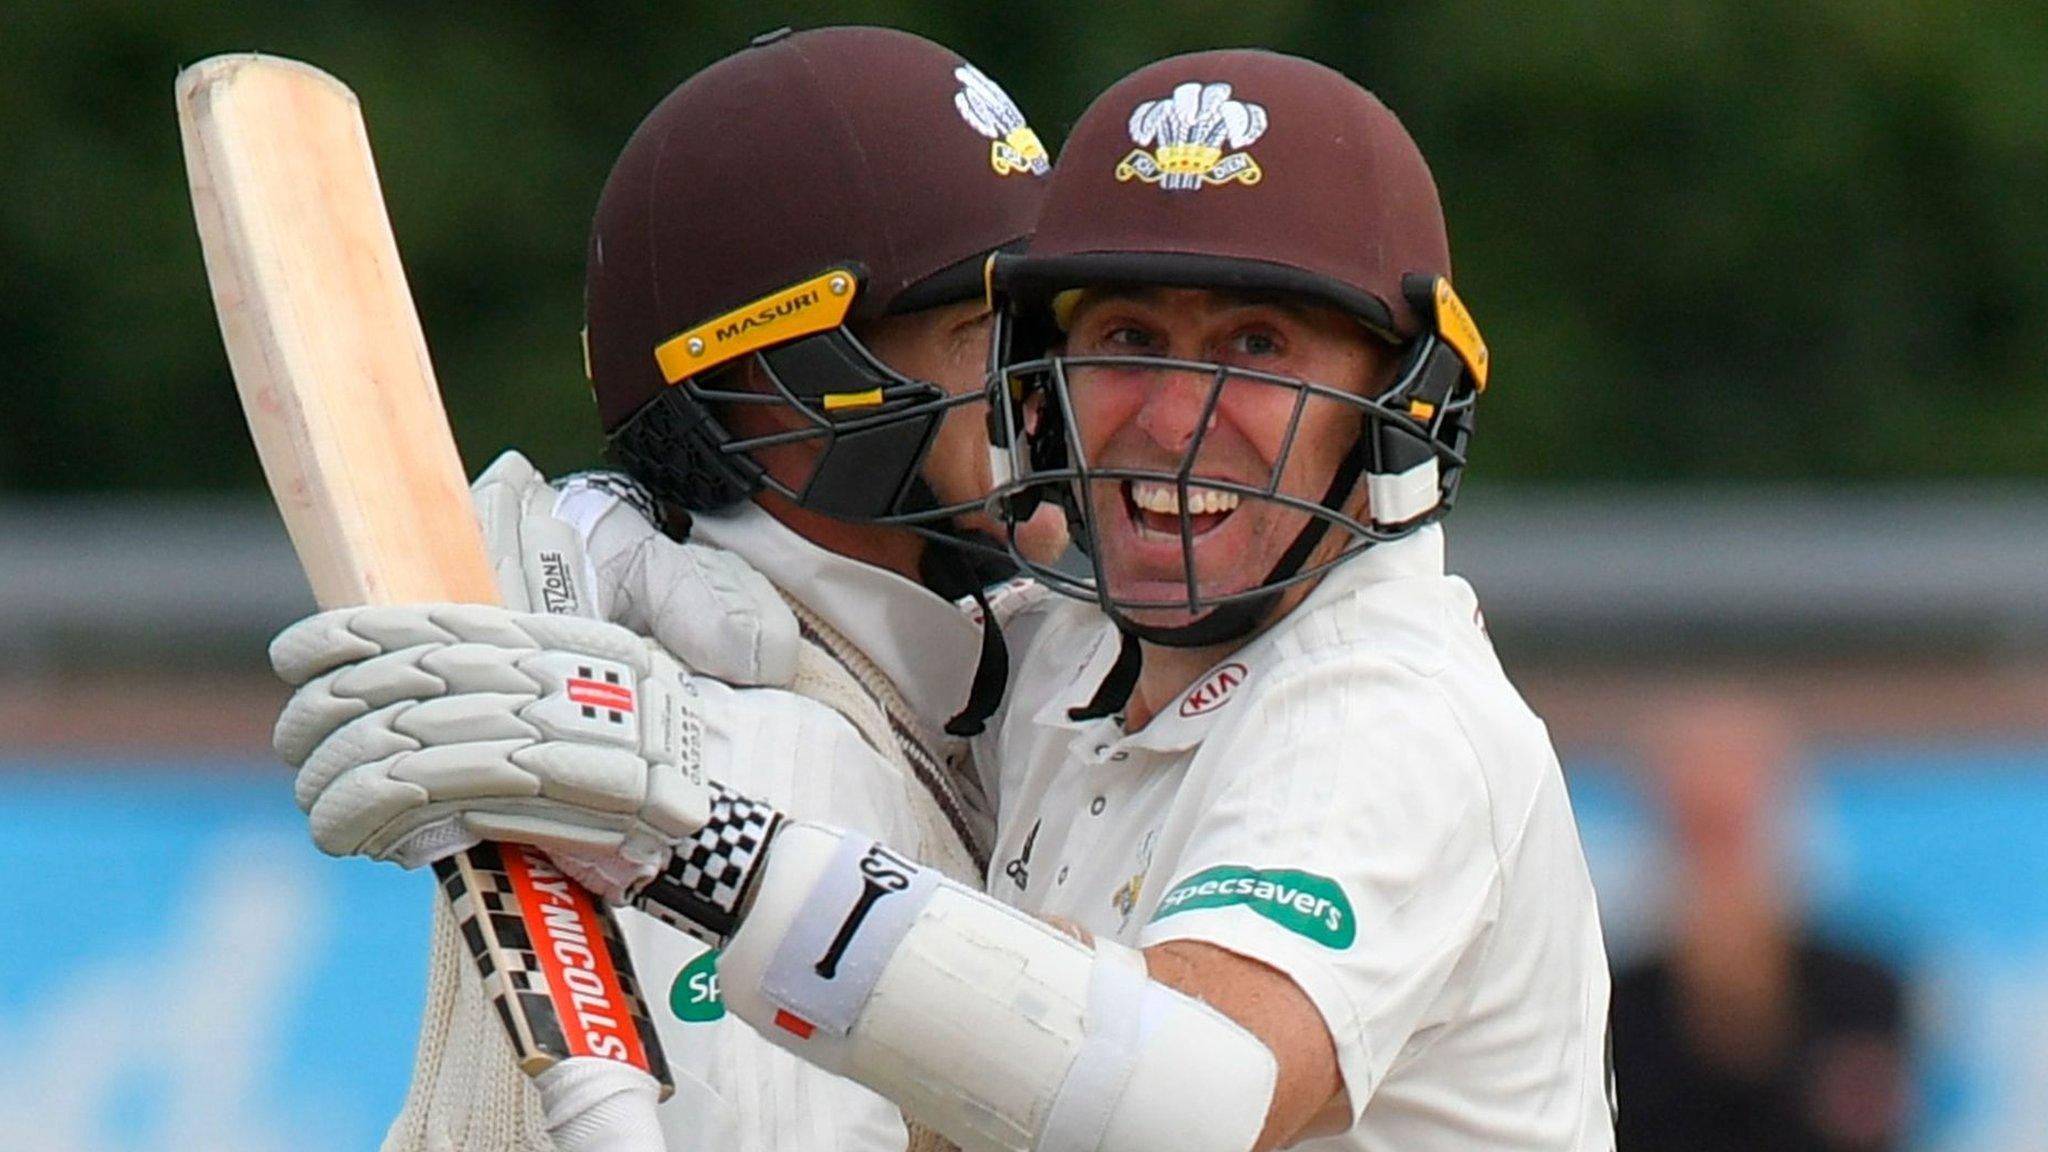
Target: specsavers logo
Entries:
(1182, 139)
(1301, 902)
(694, 996)
(990, 111)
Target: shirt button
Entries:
(1096, 806)
(1062, 877)
(1101, 748)
(1120, 756)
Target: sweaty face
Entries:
(1239, 441)
(948, 346)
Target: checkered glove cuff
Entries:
(705, 886)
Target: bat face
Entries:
(332, 368)
(322, 336)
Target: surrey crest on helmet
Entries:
(990, 111)
(1182, 139)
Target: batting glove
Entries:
(588, 546)
(420, 729)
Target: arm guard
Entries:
(996, 1030)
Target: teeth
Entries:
(1155, 498)
(1165, 499)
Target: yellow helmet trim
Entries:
(1455, 325)
(1063, 305)
(834, 401)
(816, 305)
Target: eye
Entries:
(1114, 337)
(1256, 342)
(1128, 337)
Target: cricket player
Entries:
(787, 338)
(1318, 871)
(1274, 747)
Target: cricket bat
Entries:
(332, 368)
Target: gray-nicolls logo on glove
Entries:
(414, 723)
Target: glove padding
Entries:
(589, 547)
(420, 729)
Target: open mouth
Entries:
(1156, 508)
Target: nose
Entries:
(1170, 414)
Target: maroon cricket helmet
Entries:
(810, 181)
(1248, 171)
(1241, 169)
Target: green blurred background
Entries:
(1706, 240)
(1767, 286)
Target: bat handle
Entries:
(553, 961)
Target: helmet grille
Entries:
(671, 445)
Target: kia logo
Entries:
(1211, 694)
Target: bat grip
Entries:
(553, 961)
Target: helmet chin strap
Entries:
(957, 563)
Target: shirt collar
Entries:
(1183, 722)
(926, 646)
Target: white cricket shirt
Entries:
(736, 1092)
(1357, 798)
